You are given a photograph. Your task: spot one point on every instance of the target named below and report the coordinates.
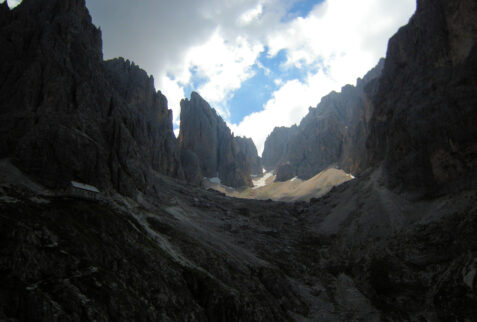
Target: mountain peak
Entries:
(67, 115)
(204, 133)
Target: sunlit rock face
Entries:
(425, 108)
(67, 115)
(332, 133)
(205, 133)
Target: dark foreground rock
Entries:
(200, 256)
(205, 133)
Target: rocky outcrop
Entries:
(205, 133)
(423, 128)
(285, 172)
(191, 167)
(344, 257)
(247, 147)
(332, 133)
(67, 115)
(276, 146)
(152, 128)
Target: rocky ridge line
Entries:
(332, 133)
(204, 133)
(77, 117)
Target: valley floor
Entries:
(294, 189)
(361, 252)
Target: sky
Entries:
(259, 63)
(11, 3)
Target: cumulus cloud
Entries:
(341, 40)
(181, 41)
(287, 106)
(174, 93)
(223, 64)
(214, 46)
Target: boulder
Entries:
(285, 172)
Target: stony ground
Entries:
(295, 189)
(359, 253)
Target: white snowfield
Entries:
(215, 180)
(262, 181)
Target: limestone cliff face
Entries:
(205, 134)
(65, 114)
(284, 172)
(332, 133)
(153, 129)
(276, 146)
(424, 125)
(248, 148)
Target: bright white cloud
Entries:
(169, 38)
(342, 27)
(225, 65)
(222, 64)
(343, 39)
(174, 93)
(218, 42)
(249, 16)
(287, 106)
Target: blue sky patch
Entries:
(251, 96)
(270, 73)
(300, 8)
(195, 82)
(258, 89)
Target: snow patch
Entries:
(262, 181)
(214, 180)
